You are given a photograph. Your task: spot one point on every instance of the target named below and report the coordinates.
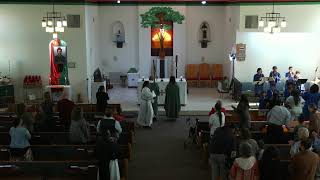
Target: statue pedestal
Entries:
(57, 91)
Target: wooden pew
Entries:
(284, 150)
(52, 153)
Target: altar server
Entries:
(275, 76)
(258, 82)
(153, 85)
(146, 113)
(172, 100)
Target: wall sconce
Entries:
(204, 34)
(118, 34)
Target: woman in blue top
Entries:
(258, 87)
(311, 97)
(275, 75)
(20, 137)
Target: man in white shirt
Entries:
(109, 123)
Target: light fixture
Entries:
(272, 22)
(54, 22)
(118, 1)
(203, 2)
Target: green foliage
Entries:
(150, 19)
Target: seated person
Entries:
(315, 141)
(20, 136)
(296, 129)
(246, 166)
(109, 123)
(270, 162)
(272, 92)
(79, 128)
(263, 100)
(65, 107)
(26, 117)
(217, 119)
(213, 110)
(314, 123)
(245, 137)
(303, 134)
(288, 89)
(304, 164)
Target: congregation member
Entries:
(258, 82)
(146, 114)
(315, 143)
(225, 83)
(108, 123)
(172, 104)
(304, 164)
(263, 100)
(278, 119)
(272, 92)
(311, 97)
(296, 129)
(26, 117)
(217, 119)
(314, 121)
(102, 99)
(303, 134)
(106, 150)
(243, 111)
(245, 137)
(269, 164)
(65, 107)
(20, 136)
(275, 76)
(289, 75)
(46, 113)
(295, 103)
(153, 85)
(222, 148)
(213, 109)
(246, 166)
(289, 88)
(79, 128)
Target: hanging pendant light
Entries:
(272, 22)
(54, 22)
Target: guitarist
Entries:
(258, 81)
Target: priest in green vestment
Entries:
(153, 85)
(172, 100)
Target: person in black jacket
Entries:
(102, 99)
(270, 164)
(222, 147)
(106, 150)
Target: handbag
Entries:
(114, 170)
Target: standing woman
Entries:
(243, 111)
(172, 100)
(311, 97)
(102, 99)
(217, 119)
(258, 82)
(146, 111)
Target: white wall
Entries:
(296, 46)
(215, 16)
(26, 44)
(115, 59)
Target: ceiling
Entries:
(154, 1)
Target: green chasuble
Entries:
(153, 86)
(172, 101)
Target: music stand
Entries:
(301, 82)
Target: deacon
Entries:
(154, 88)
(172, 100)
(258, 82)
(146, 112)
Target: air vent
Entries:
(251, 22)
(73, 21)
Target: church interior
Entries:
(69, 67)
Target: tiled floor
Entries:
(200, 100)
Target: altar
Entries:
(162, 87)
(57, 92)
